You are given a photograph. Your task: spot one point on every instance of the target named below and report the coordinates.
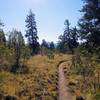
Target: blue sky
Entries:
(50, 15)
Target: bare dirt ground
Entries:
(64, 91)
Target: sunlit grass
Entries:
(40, 82)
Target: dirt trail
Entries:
(64, 91)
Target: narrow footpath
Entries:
(64, 92)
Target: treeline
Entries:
(86, 35)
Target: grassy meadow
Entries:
(39, 84)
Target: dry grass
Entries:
(84, 87)
(40, 83)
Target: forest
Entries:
(30, 70)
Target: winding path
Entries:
(64, 91)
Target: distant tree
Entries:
(63, 39)
(90, 24)
(31, 32)
(44, 47)
(9, 42)
(2, 38)
(2, 35)
(44, 44)
(1, 24)
(52, 46)
(17, 44)
(68, 41)
(3, 48)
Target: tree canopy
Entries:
(90, 23)
(31, 32)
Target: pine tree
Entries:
(1, 24)
(90, 24)
(68, 41)
(44, 44)
(2, 38)
(2, 35)
(63, 39)
(2, 44)
(74, 35)
(31, 32)
(52, 46)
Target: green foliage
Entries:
(44, 44)
(68, 41)
(4, 51)
(47, 48)
(86, 68)
(52, 46)
(13, 52)
(2, 37)
(83, 65)
(17, 44)
(4, 58)
(15, 38)
(31, 33)
(90, 25)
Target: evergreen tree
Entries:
(3, 48)
(52, 46)
(2, 35)
(31, 32)
(44, 44)
(63, 39)
(68, 41)
(1, 24)
(74, 34)
(90, 24)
